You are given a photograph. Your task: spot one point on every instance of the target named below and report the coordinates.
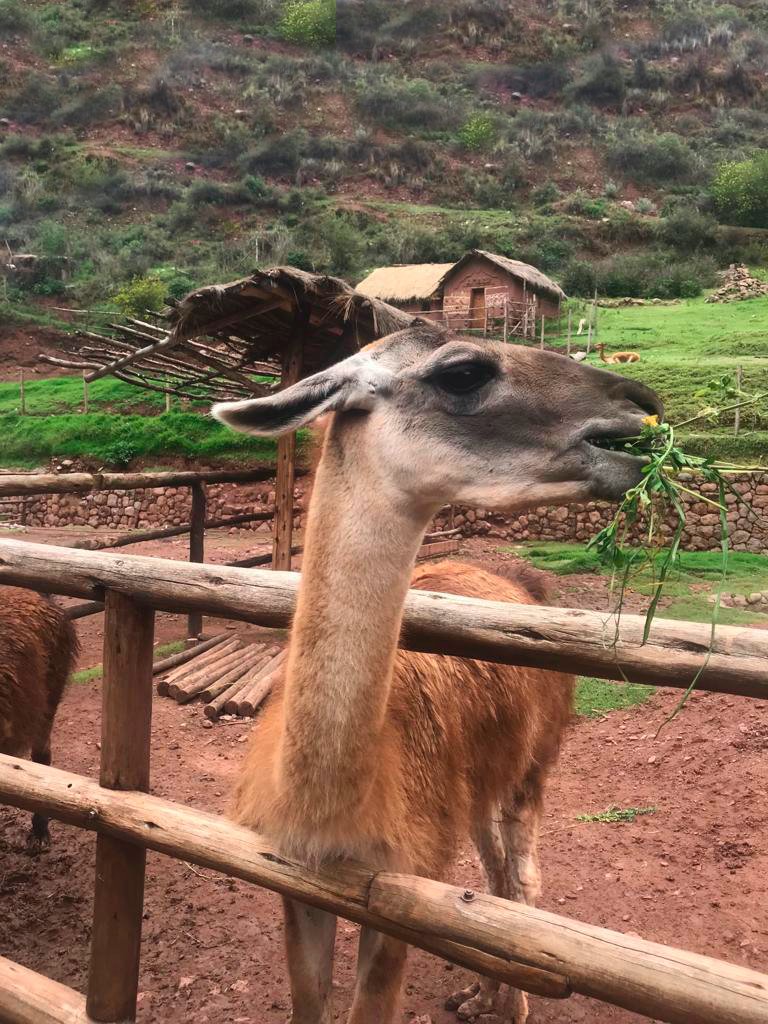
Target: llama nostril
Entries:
(644, 397)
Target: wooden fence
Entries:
(532, 949)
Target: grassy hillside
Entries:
(155, 145)
(187, 141)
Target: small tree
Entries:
(141, 294)
(740, 192)
(310, 22)
(478, 132)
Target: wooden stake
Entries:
(85, 395)
(125, 737)
(223, 682)
(260, 683)
(737, 411)
(167, 401)
(228, 699)
(506, 318)
(541, 343)
(196, 548)
(173, 660)
(286, 452)
(22, 394)
(570, 331)
(188, 686)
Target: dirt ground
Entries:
(694, 873)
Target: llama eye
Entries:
(460, 380)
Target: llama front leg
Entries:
(39, 837)
(482, 995)
(310, 935)
(380, 965)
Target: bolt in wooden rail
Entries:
(530, 948)
(565, 639)
(125, 739)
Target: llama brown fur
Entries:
(464, 744)
(617, 357)
(38, 648)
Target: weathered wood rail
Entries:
(545, 953)
(540, 952)
(566, 639)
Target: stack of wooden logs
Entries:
(229, 676)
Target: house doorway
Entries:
(477, 309)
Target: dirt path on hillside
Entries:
(694, 873)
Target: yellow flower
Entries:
(650, 421)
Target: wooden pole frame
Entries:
(196, 549)
(521, 945)
(125, 742)
(532, 949)
(564, 639)
(293, 358)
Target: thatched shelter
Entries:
(242, 339)
(231, 340)
(412, 286)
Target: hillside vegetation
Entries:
(150, 146)
(190, 141)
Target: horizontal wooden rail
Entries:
(30, 998)
(20, 484)
(564, 639)
(531, 948)
(140, 536)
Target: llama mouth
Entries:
(610, 444)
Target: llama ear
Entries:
(355, 383)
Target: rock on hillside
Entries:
(738, 284)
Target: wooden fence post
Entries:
(85, 395)
(196, 549)
(570, 331)
(125, 737)
(541, 343)
(22, 395)
(506, 319)
(737, 411)
(282, 531)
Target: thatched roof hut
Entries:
(406, 283)
(217, 340)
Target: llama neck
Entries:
(359, 551)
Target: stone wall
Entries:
(170, 506)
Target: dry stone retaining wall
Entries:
(170, 506)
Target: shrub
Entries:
(546, 193)
(413, 103)
(601, 83)
(582, 204)
(231, 10)
(120, 454)
(478, 132)
(310, 22)
(34, 100)
(14, 16)
(740, 192)
(688, 229)
(141, 294)
(655, 158)
(579, 278)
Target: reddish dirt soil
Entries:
(21, 347)
(693, 874)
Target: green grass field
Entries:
(688, 587)
(685, 345)
(116, 440)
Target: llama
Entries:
(38, 647)
(390, 757)
(617, 357)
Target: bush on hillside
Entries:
(413, 103)
(601, 83)
(478, 132)
(687, 229)
(654, 158)
(14, 16)
(231, 10)
(647, 275)
(141, 294)
(310, 22)
(740, 192)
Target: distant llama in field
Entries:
(391, 757)
(617, 357)
(38, 647)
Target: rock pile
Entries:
(738, 284)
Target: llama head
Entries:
(440, 417)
